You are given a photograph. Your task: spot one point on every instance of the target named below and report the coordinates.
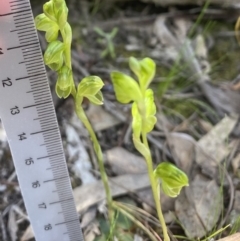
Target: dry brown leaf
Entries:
(88, 217)
(12, 225)
(101, 119)
(28, 234)
(82, 167)
(199, 207)
(234, 237)
(124, 162)
(235, 213)
(91, 231)
(212, 148)
(182, 146)
(164, 35)
(206, 126)
(227, 3)
(236, 164)
(236, 206)
(167, 34)
(93, 193)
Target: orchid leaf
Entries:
(126, 88)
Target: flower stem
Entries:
(82, 116)
(156, 194)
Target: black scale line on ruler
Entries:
(7, 14)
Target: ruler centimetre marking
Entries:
(28, 116)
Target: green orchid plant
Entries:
(169, 177)
(57, 56)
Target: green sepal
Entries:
(141, 147)
(150, 109)
(43, 23)
(136, 121)
(53, 56)
(51, 35)
(64, 82)
(149, 103)
(149, 123)
(144, 70)
(49, 11)
(62, 93)
(90, 87)
(172, 178)
(126, 88)
(64, 77)
(61, 12)
(96, 99)
(62, 16)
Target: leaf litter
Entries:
(199, 141)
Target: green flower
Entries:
(90, 88)
(43, 23)
(53, 56)
(63, 86)
(171, 178)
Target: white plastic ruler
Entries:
(28, 116)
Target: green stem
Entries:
(82, 116)
(154, 185)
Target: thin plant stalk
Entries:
(154, 186)
(82, 116)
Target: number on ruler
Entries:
(29, 161)
(42, 205)
(22, 136)
(1, 51)
(7, 82)
(15, 110)
(47, 227)
(36, 184)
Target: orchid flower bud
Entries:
(63, 86)
(90, 88)
(53, 56)
(171, 178)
